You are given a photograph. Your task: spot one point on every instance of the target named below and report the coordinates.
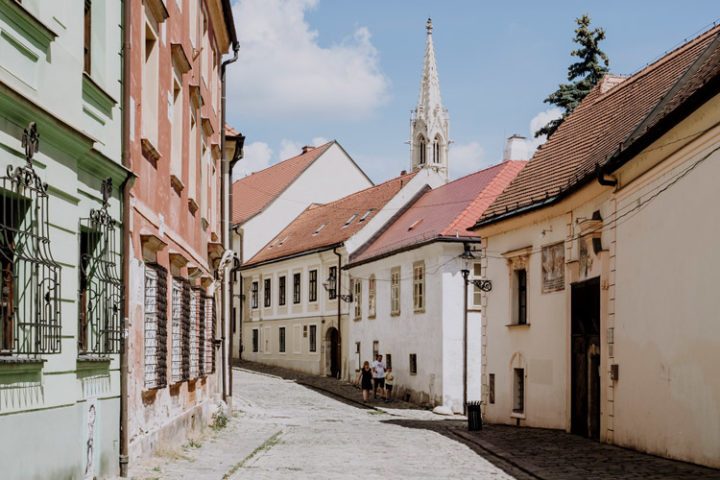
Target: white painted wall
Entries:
(434, 335)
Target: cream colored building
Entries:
(602, 320)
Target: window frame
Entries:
(312, 339)
(332, 283)
(519, 391)
(282, 292)
(419, 286)
(412, 364)
(312, 285)
(282, 339)
(372, 297)
(255, 340)
(395, 292)
(297, 288)
(520, 297)
(357, 299)
(267, 292)
(254, 294)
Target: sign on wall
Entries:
(553, 267)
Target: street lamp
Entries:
(331, 285)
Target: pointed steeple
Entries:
(429, 123)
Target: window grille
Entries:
(267, 293)
(413, 364)
(281, 339)
(176, 357)
(101, 289)
(296, 288)
(281, 290)
(202, 332)
(195, 339)
(313, 339)
(30, 276)
(332, 281)
(210, 322)
(155, 326)
(185, 329)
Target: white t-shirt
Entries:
(378, 369)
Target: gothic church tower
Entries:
(429, 125)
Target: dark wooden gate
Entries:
(585, 338)
(334, 352)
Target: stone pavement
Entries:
(283, 430)
(524, 453)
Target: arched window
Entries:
(436, 150)
(422, 145)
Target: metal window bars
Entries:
(30, 313)
(101, 288)
(202, 331)
(185, 329)
(155, 326)
(209, 334)
(195, 339)
(176, 351)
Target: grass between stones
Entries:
(266, 445)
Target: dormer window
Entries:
(318, 229)
(282, 241)
(350, 220)
(366, 215)
(415, 224)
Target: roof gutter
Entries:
(290, 257)
(412, 246)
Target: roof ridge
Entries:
(365, 190)
(281, 162)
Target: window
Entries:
(313, 286)
(87, 37)
(180, 361)
(477, 293)
(30, 281)
(521, 296)
(372, 295)
(296, 288)
(436, 150)
(317, 230)
(519, 390)
(155, 326)
(254, 295)
(413, 364)
(281, 339)
(388, 360)
(150, 89)
(332, 283)
(255, 340)
(491, 388)
(395, 291)
(419, 286)
(210, 317)
(281, 290)
(100, 292)
(267, 292)
(366, 215)
(422, 146)
(312, 340)
(193, 159)
(376, 349)
(357, 297)
(349, 220)
(176, 114)
(194, 331)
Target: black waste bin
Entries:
(474, 416)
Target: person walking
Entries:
(378, 376)
(365, 379)
(389, 381)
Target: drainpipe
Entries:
(465, 275)
(127, 163)
(338, 284)
(226, 235)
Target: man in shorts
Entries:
(378, 368)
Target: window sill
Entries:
(419, 310)
(28, 24)
(11, 365)
(193, 206)
(394, 314)
(518, 325)
(97, 96)
(520, 415)
(176, 184)
(149, 151)
(372, 317)
(93, 358)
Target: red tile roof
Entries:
(445, 212)
(230, 131)
(326, 225)
(612, 118)
(256, 191)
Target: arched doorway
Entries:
(332, 352)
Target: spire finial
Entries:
(428, 26)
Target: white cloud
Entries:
(536, 123)
(289, 149)
(257, 156)
(284, 71)
(466, 158)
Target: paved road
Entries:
(283, 430)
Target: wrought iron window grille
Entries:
(30, 278)
(155, 326)
(101, 288)
(210, 324)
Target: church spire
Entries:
(429, 123)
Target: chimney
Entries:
(307, 148)
(403, 172)
(516, 148)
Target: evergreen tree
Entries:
(583, 74)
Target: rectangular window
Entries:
(267, 292)
(419, 286)
(395, 291)
(150, 90)
(281, 290)
(376, 349)
(254, 295)
(210, 320)
(491, 388)
(313, 338)
(281, 339)
(519, 390)
(176, 352)
(357, 298)
(87, 38)
(296, 288)
(176, 116)
(255, 340)
(372, 295)
(332, 283)
(388, 360)
(313, 286)
(521, 296)
(477, 293)
(195, 299)
(413, 364)
(155, 326)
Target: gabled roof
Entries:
(330, 224)
(618, 118)
(252, 194)
(445, 212)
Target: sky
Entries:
(311, 71)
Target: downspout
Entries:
(127, 163)
(602, 180)
(226, 236)
(338, 291)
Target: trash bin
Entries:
(474, 416)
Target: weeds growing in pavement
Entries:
(219, 420)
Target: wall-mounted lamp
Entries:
(330, 285)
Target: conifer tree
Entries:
(583, 74)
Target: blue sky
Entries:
(315, 70)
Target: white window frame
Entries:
(419, 286)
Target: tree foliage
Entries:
(583, 75)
